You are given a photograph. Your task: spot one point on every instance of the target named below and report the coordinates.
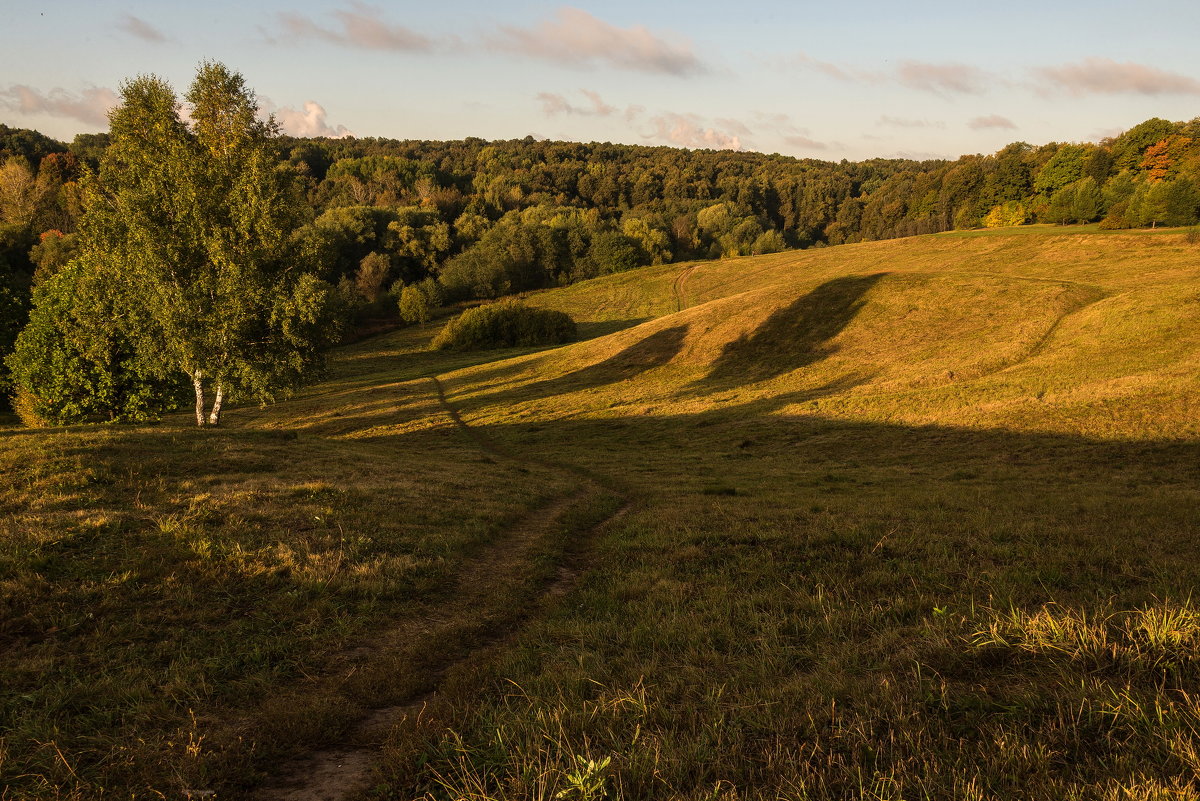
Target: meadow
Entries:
(897, 520)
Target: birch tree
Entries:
(195, 221)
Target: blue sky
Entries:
(853, 80)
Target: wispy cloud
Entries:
(690, 130)
(805, 142)
(576, 38)
(90, 106)
(904, 122)
(1107, 77)
(359, 26)
(138, 27)
(783, 126)
(942, 79)
(826, 68)
(557, 104)
(991, 121)
(309, 122)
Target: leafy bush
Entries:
(76, 362)
(505, 325)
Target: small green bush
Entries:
(504, 325)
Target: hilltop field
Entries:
(909, 519)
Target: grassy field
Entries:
(899, 520)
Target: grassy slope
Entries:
(849, 466)
(852, 465)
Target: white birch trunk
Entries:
(197, 383)
(214, 418)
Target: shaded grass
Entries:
(159, 586)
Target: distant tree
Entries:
(769, 242)
(1065, 167)
(52, 252)
(89, 148)
(418, 240)
(414, 305)
(1171, 202)
(1006, 215)
(20, 196)
(614, 252)
(1129, 148)
(29, 146)
(1086, 200)
(371, 276)
(653, 241)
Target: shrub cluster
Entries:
(504, 325)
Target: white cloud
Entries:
(576, 38)
(786, 129)
(90, 106)
(1108, 77)
(905, 122)
(308, 122)
(136, 26)
(805, 142)
(991, 121)
(941, 79)
(557, 104)
(361, 26)
(689, 130)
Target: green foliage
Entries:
(1171, 203)
(769, 242)
(215, 277)
(504, 325)
(1006, 215)
(429, 206)
(1129, 148)
(372, 275)
(414, 305)
(1064, 167)
(77, 360)
(52, 252)
(23, 143)
(613, 252)
(419, 240)
(511, 257)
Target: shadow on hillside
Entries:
(796, 335)
(1071, 502)
(605, 327)
(642, 356)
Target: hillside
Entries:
(901, 519)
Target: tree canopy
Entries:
(192, 223)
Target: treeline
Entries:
(477, 219)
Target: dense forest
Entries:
(459, 220)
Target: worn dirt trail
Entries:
(679, 286)
(481, 615)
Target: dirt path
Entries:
(482, 614)
(679, 286)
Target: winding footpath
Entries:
(474, 621)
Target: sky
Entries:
(853, 79)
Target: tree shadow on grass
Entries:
(795, 336)
(656, 350)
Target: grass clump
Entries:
(505, 325)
